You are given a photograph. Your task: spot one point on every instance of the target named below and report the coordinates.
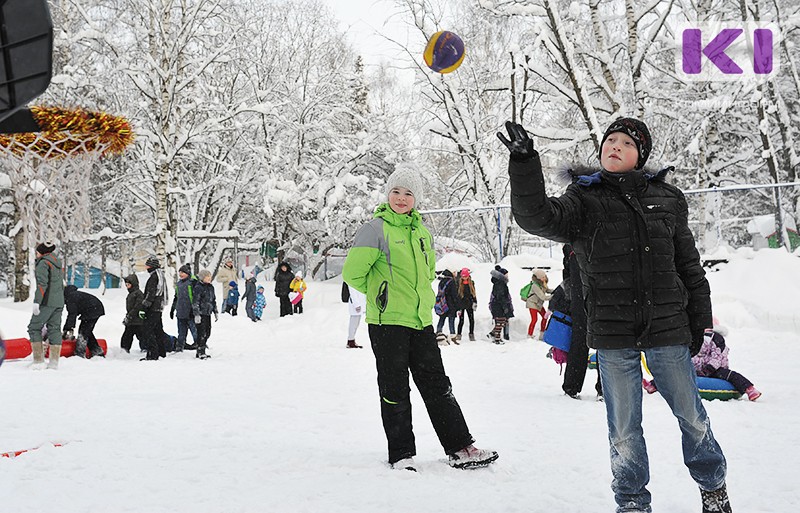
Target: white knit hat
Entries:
(407, 177)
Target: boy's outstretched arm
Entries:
(534, 212)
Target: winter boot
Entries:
(55, 354)
(351, 344)
(752, 393)
(405, 464)
(38, 356)
(80, 346)
(472, 337)
(454, 339)
(441, 339)
(716, 501)
(98, 351)
(471, 457)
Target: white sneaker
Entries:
(471, 457)
(405, 464)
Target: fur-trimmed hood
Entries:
(588, 175)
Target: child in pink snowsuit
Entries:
(712, 362)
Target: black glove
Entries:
(520, 145)
(172, 314)
(697, 342)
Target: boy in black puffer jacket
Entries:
(89, 309)
(644, 290)
(204, 304)
(132, 322)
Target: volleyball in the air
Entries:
(444, 52)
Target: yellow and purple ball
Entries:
(444, 52)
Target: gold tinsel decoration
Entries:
(70, 132)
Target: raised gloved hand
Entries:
(197, 319)
(520, 145)
(142, 314)
(36, 309)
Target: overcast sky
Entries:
(367, 22)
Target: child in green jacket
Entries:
(392, 261)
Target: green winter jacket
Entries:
(49, 281)
(392, 261)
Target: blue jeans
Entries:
(451, 322)
(621, 376)
(183, 326)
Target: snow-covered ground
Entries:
(283, 418)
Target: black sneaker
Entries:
(716, 501)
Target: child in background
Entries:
(712, 362)
(535, 294)
(446, 296)
(261, 302)
(204, 303)
(467, 302)
(298, 285)
(232, 303)
(500, 304)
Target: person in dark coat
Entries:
(500, 303)
(283, 280)
(578, 355)
(644, 290)
(155, 299)
(249, 297)
(447, 286)
(132, 322)
(467, 302)
(89, 308)
(48, 305)
(182, 307)
(204, 305)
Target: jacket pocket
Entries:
(382, 299)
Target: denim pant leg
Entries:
(440, 324)
(183, 327)
(192, 330)
(451, 322)
(674, 375)
(621, 374)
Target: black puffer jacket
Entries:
(643, 284)
(133, 303)
(283, 279)
(205, 299)
(80, 304)
(500, 303)
(450, 293)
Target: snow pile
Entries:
(283, 418)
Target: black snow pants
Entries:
(153, 334)
(397, 350)
(578, 356)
